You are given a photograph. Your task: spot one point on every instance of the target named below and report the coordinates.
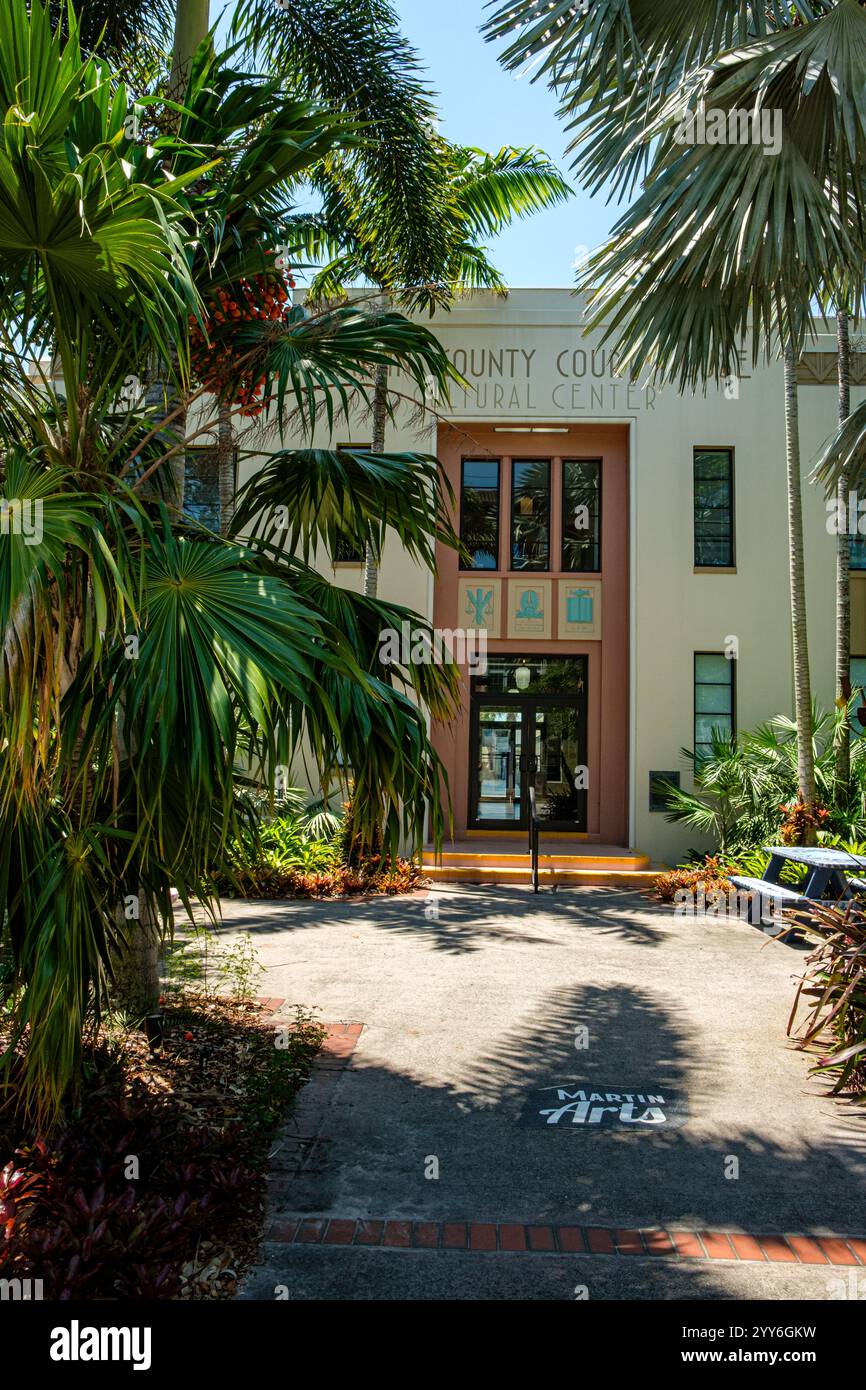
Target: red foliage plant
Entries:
(73, 1217)
(800, 820)
(710, 876)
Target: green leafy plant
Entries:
(240, 969)
(143, 658)
(745, 787)
(832, 994)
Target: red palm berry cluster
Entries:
(214, 354)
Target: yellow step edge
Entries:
(591, 877)
(545, 859)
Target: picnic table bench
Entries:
(827, 870)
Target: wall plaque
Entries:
(529, 605)
(478, 604)
(579, 609)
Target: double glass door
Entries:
(523, 741)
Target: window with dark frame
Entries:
(857, 677)
(659, 783)
(857, 672)
(479, 513)
(714, 508)
(581, 515)
(714, 700)
(530, 514)
(857, 553)
(201, 488)
(346, 552)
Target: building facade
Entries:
(626, 559)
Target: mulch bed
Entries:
(154, 1186)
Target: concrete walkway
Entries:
(473, 1001)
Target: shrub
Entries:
(154, 1187)
(747, 787)
(388, 876)
(802, 821)
(296, 854)
(833, 990)
(691, 879)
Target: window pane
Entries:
(705, 724)
(714, 699)
(713, 502)
(479, 513)
(201, 495)
(857, 553)
(581, 514)
(713, 667)
(530, 514)
(347, 552)
(858, 672)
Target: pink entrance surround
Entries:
(608, 659)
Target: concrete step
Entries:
(499, 873)
(500, 859)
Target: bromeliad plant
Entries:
(144, 660)
(833, 992)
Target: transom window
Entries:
(581, 514)
(530, 514)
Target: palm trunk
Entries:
(802, 684)
(226, 467)
(843, 591)
(137, 974)
(380, 416)
(191, 24)
(162, 396)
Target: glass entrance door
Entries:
(534, 737)
(500, 791)
(558, 766)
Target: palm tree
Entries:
(144, 659)
(352, 56)
(843, 568)
(724, 243)
(482, 192)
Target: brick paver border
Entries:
(518, 1237)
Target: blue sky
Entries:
(483, 105)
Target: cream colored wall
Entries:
(680, 612)
(677, 612)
